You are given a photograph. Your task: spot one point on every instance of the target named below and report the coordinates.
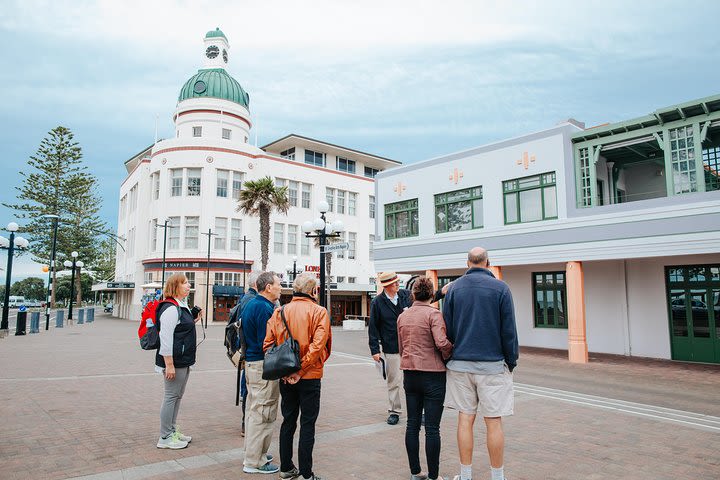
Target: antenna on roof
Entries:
(156, 127)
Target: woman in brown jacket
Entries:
(300, 392)
(424, 348)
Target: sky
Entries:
(407, 80)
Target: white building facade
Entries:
(193, 183)
(608, 237)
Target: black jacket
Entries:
(382, 328)
(184, 338)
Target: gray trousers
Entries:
(174, 390)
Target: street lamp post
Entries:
(55, 219)
(321, 229)
(74, 264)
(294, 272)
(10, 245)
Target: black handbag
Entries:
(284, 359)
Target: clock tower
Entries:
(216, 49)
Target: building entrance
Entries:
(694, 311)
(221, 308)
(341, 305)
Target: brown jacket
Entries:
(422, 339)
(310, 326)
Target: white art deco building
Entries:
(193, 182)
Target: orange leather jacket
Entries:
(310, 326)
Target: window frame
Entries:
(441, 201)
(312, 157)
(194, 189)
(397, 208)
(345, 165)
(516, 189)
(558, 289)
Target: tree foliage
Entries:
(58, 183)
(104, 264)
(31, 288)
(259, 198)
(63, 287)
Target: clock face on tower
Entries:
(212, 51)
(225, 55)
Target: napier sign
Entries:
(336, 247)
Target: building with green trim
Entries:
(609, 237)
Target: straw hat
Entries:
(387, 278)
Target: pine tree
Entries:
(104, 265)
(57, 183)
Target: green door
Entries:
(694, 311)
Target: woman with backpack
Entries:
(176, 323)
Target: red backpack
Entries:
(149, 330)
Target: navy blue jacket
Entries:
(255, 316)
(382, 326)
(480, 319)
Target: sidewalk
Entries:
(84, 401)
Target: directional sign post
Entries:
(336, 247)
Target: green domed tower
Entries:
(213, 81)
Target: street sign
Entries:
(336, 247)
(120, 285)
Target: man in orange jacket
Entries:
(300, 392)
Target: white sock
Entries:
(465, 472)
(497, 473)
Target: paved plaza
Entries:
(83, 402)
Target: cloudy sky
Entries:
(408, 80)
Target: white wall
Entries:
(605, 306)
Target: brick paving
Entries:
(84, 401)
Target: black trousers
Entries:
(301, 399)
(424, 391)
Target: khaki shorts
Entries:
(488, 395)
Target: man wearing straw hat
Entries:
(382, 332)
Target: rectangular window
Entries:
(220, 232)
(289, 153)
(131, 243)
(123, 206)
(341, 238)
(191, 279)
(156, 185)
(197, 131)
(371, 172)
(340, 201)
(219, 278)
(372, 206)
(711, 167)
(292, 239)
(133, 198)
(459, 210)
(372, 244)
(340, 279)
(550, 299)
(306, 195)
(176, 182)
(401, 219)
(352, 279)
(237, 181)
(293, 193)
(279, 243)
(153, 235)
(345, 165)
(585, 191)
(352, 240)
(193, 182)
(330, 198)
(192, 232)
(304, 245)
(352, 203)
(222, 183)
(530, 199)
(682, 151)
(173, 233)
(226, 133)
(235, 234)
(315, 158)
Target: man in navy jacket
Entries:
(480, 320)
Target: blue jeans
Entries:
(424, 391)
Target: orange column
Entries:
(497, 271)
(577, 338)
(432, 275)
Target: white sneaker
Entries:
(184, 438)
(172, 442)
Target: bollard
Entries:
(21, 322)
(90, 315)
(81, 316)
(35, 322)
(59, 315)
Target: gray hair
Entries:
(252, 279)
(305, 283)
(265, 279)
(477, 256)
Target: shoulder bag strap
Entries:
(282, 315)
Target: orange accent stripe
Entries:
(205, 110)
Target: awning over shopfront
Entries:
(113, 286)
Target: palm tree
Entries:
(260, 197)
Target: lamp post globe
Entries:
(323, 206)
(67, 263)
(12, 227)
(74, 254)
(4, 242)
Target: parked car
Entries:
(108, 308)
